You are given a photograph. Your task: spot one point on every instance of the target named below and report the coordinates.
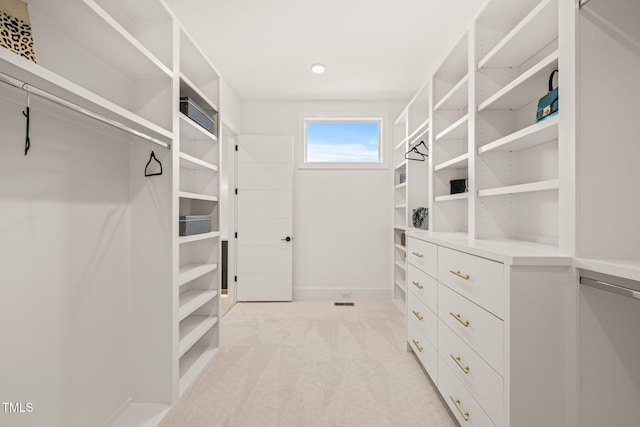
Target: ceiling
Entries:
(380, 49)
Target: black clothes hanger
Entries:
(415, 150)
(27, 114)
(151, 158)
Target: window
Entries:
(342, 143)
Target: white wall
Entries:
(342, 218)
(64, 262)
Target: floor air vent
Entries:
(344, 304)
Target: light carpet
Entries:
(312, 364)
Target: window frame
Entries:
(306, 118)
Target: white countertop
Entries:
(512, 252)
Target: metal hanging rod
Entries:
(582, 3)
(610, 287)
(32, 90)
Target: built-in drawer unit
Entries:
(465, 408)
(424, 319)
(478, 279)
(482, 381)
(481, 330)
(423, 255)
(426, 353)
(424, 287)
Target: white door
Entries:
(264, 218)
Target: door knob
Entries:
(288, 239)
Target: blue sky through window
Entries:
(343, 141)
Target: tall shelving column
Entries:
(450, 151)
(518, 160)
(400, 210)
(197, 155)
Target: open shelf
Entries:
(404, 206)
(198, 237)
(552, 184)
(450, 197)
(41, 78)
(401, 144)
(193, 299)
(125, 49)
(457, 130)
(534, 32)
(420, 130)
(462, 161)
(188, 88)
(193, 131)
(400, 227)
(192, 329)
(195, 163)
(191, 272)
(192, 363)
(457, 97)
(420, 136)
(523, 89)
(195, 196)
(529, 137)
(401, 186)
(402, 248)
(401, 266)
(402, 165)
(401, 286)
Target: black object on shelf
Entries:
(458, 186)
(197, 114)
(194, 224)
(224, 261)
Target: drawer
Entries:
(463, 406)
(481, 330)
(484, 384)
(423, 318)
(478, 279)
(423, 255)
(424, 350)
(423, 286)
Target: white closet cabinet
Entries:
(114, 314)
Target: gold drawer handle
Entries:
(459, 363)
(457, 403)
(460, 275)
(417, 285)
(417, 314)
(418, 254)
(417, 344)
(464, 323)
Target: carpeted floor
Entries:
(312, 364)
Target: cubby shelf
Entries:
(402, 248)
(127, 48)
(401, 144)
(456, 98)
(198, 237)
(401, 186)
(451, 197)
(191, 272)
(401, 266)
(188, 88)
(421, 136)
(192, 363)
(401, 165)
(195, 163)
(400, 286)
(193, 131)
(552, 184)
(462, 161)
(523, 89)
(457, 130)
(193, 299)
(192, 329)
(400, 227)
(404, 206)
(529, 137)
(538, 29)
(196, 196)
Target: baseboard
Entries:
(342, 294)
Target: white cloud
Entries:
(320, 152)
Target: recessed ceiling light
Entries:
(318, 68)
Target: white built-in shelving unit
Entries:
(128, 63)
